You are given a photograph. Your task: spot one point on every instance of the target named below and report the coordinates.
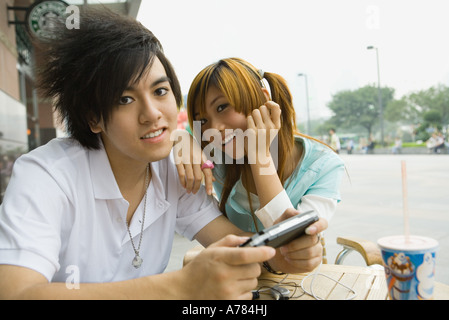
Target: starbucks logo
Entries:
(41, 16)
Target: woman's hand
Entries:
(265, 123)
(303, 254)
(189, 158)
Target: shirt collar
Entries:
(103, 180)
(156, 203)
(105, 186)
(306, 147)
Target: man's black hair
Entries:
(86, 70)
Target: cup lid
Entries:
(400, 243)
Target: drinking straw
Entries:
(404, 201)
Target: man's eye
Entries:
(125, 100)
(161, 91)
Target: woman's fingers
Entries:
(275, 113)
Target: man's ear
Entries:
(95, 126)
(266, 94)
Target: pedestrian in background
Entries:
(334, 140)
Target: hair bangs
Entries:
(136, 66)
(119, 72)
(238, 83)
(196, 99)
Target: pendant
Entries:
(137, 261)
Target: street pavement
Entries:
(372, 205)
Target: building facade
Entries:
(26, 120)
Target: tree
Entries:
(359, 107)
(433, 99)
(433, 117)
(402, 111)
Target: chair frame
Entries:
(367, 249)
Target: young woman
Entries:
(276, 167)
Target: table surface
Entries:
(368, 284)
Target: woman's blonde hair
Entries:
(241, 83)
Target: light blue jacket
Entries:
(319, 172)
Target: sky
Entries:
(325, 39)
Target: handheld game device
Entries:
(284, 232)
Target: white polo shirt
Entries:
(63, 215)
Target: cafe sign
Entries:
(40, 17)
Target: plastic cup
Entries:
(409, 266)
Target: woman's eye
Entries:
(161, 91)
(203, 121)
(221, 107)
(125, 100)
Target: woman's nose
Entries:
(217, 124)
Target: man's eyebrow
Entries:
(160, 80)
(155, 83)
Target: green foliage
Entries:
(433, 99)
(433, 117)
(359, 107)
(429, 109)
(413, 144)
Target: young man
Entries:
(93, 216)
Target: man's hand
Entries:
(224, 270)
(303, 254)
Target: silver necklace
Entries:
(137, 261)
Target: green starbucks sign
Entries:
(41, 14)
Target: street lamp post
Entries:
(307, 101)
(379, 96)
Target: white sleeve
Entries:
(30, 219)
(274, 209)
(195, 211)
(324, 207)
